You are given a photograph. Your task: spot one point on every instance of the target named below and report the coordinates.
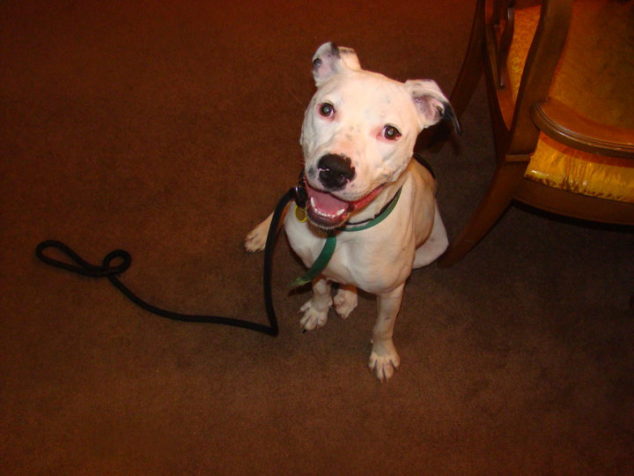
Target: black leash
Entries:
(118, 261)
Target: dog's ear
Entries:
(330, 59)
(431, 103)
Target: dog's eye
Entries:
(391, 132)
(326, 109)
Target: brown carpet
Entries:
(170, 129)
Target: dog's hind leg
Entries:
(435, 245)
(256, 239)
(316, 308)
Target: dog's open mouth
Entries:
(328, 212)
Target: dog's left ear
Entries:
(431, 103)
(330, 59)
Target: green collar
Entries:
(331, 242)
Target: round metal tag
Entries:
(300, 214)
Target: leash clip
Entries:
(300, 194)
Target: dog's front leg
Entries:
(316, 308)
(384, 359)
(345, 300)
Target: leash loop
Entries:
(82, 266)
(114, 270)
(118, 261)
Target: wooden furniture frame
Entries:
(518, 123)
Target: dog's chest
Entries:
(369, 259)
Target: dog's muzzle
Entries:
(327, 211)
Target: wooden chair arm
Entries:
(564, 125)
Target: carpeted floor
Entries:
(170, 129)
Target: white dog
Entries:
(365, 194)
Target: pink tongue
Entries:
(327, 203)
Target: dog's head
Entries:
(359, 132)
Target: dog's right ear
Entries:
(330, 59)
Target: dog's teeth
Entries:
(329, 215)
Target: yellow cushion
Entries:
(596, 68)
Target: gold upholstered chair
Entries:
(560, 83)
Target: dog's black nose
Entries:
(335, 171)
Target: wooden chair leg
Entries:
(466, 84)
(472, 65)
(495, 202)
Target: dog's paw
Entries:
(345, 301)
(384, 360)
(313, 317)
(256, 239)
